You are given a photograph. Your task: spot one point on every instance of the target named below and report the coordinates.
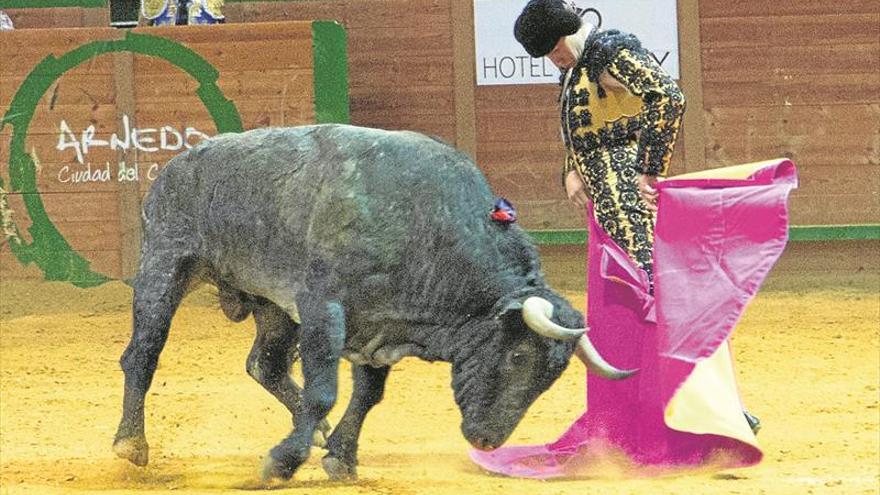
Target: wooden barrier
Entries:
(762, 80)
(92, 115)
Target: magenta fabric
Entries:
(715, 241)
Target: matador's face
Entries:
(562, 55)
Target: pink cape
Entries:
(717, 235)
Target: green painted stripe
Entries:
(558, 237)
(834, 232)
(795, 233)
(330, 54)
(45, 4)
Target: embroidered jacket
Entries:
(164, 12)
(647, 113)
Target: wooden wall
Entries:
(797, 79)
(802, 80)
(267, 71)
(400, 57)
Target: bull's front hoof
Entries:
(322, 433)
(339, 470)
(275, 471)
(135, 449)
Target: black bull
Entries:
(357, 243)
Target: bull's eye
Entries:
(518, 359)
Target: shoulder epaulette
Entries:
(600, 49)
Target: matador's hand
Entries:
(575, 189)
(648, 191)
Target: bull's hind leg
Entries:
(274, 351)
(322, 335)
(158, 289)
(369, 385)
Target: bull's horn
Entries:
(585, 351)
(536, 313)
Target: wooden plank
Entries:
(78, 117)
(550, 144)
(442, 126)
(270, 11)
(81, 207)
(69, 178)
(512, 163)
(87, 220)
(548, 166)
(726, 64)
(235, 85)
(391, 13)
(839, 179)
(792, 30)
(525, 186)
(690, 60)
(807, 150)
(150, 120)
(185, 113)
(91, 236)
(58, 17)
(802, 120)
(513, 127)
(750, 8)
(12, 269)
(95, 17)
(413, 40)
(45, 145)
(834, 209)
(549, 214)
(22, 50)
(415, 100)
(379, 73)
(130, 234)
(233, 34)
(525, 98)
(795, 89)
(811, 135)
(505, 156)
(270, 54)
(70, 89)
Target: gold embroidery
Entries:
(617, 104)
(153, 8)
(214, 7)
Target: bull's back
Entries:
(265, 200)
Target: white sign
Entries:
(502, 60)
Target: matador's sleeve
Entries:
(567, 167)
(663, 106)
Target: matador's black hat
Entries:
(541, 24)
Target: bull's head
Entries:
(527, 350)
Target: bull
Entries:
(347, 242)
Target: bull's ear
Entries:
(512, 309)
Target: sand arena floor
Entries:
(807, 360)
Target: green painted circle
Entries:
(49, 249)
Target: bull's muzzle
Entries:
(537, 315)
